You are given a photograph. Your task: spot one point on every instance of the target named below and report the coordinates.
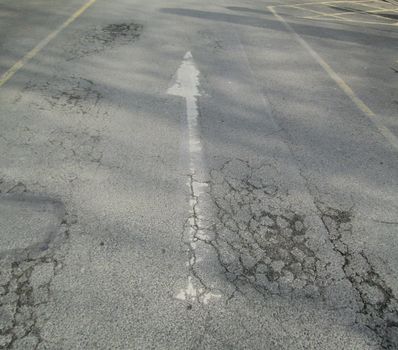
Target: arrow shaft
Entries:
(195, 146)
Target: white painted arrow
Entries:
(186, 85)
(187, 79)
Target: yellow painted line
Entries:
(381, 10)
(392, 7)
(328, 3)
(32, 53)
(320, 17)
(338, 16)
(323, 18)
(370, 12)
(340, 82)
(347, 13)
(371, 15)
(319, 13)
(346, 20)
(383, 17)
(364, 12)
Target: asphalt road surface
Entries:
(198, 174)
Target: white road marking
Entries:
(187, 86)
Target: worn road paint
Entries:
(32, 53)
(187, 86)
(340, 82)
(330, 2)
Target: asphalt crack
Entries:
(261, 241)
(75, 94)
(378, 305)
(260, 244)
(25, 284)
(197, 289)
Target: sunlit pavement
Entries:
(198, 174)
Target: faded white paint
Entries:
(193, 294)
(186, 85)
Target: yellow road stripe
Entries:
(372, 15)
(32, 53)
(341, 16)
(347, 20)
(340, 82)
(378, 7)
(361, 12)
(319, 13)
(328, 3)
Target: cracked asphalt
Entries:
(283, 236)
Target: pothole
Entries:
(27, 221)
(66, 94)
(30, 229)
(98, 39)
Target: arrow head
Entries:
(186, 83)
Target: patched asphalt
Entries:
(284, 238)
